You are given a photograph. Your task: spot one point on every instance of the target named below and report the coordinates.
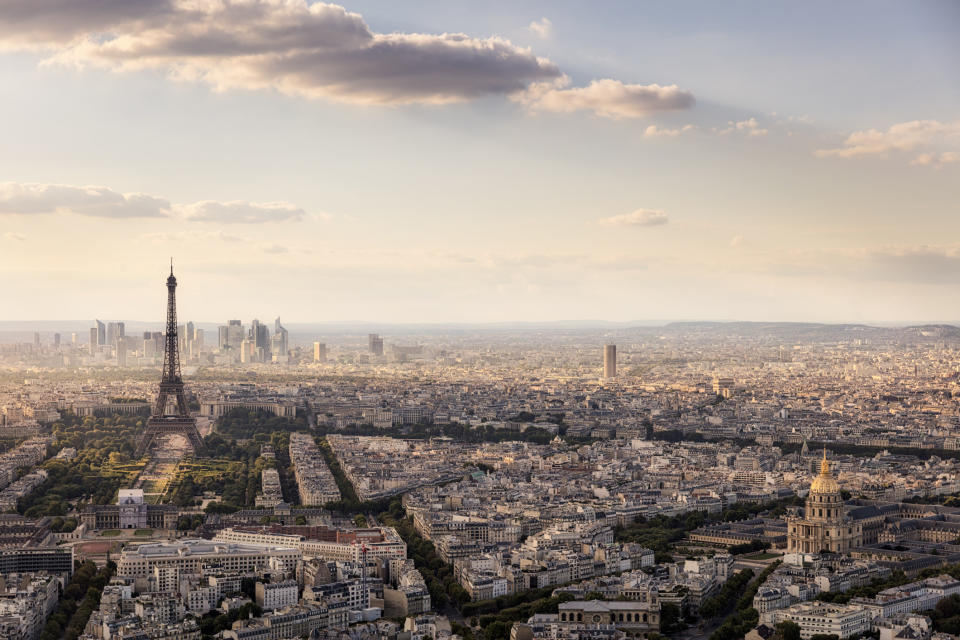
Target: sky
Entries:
(453, 161)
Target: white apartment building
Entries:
(841, 620)
(392, 546)
(190, 556)
(276, 595)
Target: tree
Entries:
(788, 630)
(670, 618)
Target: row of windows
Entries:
(621, 617)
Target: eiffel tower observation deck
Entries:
(170, 415)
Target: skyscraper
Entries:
(188, 338)
(149, 346)
(283, 342)
(235, 334)
(94, 334)
(56, 340)
(115, 332)
(223, 338)
(260, 337)
(319, 352)
(101, 333)
(376, 344)
(196, 346)
(610, 361)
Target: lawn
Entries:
(145, 533)
(110, 533)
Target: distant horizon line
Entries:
(11, 325)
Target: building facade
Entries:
(825, 525)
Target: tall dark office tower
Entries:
(376, 344)
(93, 341)
(56, 340)
(179, 421)
(36, 338)
(223, 337)
(610, 361)
(101, 333)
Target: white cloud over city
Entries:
(606, 98)
(638, 218)
(902, 137)
(21, 199)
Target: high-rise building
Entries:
(223, 338)
(247, 350)
(376, 344)
(610, 361)
(36, 338)
(190, 329)
(73, 338)
(101, 333)
(196, 345)
(284, 337)
(235, 334)
(122, 352)
(260, 336)
(319, 352)
(56, 339)
(115, 332)
(182, 338)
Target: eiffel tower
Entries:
(179, 421)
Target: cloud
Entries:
(240, 212)
(35, 198)
(11, 235)
(934, 160)
(194, 235)
(274, 248)
(638, 218)
(736, 241)
(905, 136)
(316, 50)
(607, 98)
(653, 131)
(926, 264)
(542, 28)
(912, 264)
(31, 198)
(748, 127)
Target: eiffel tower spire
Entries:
(179, 421)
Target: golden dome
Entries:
(825, 482)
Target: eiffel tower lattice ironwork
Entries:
(179, 421)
